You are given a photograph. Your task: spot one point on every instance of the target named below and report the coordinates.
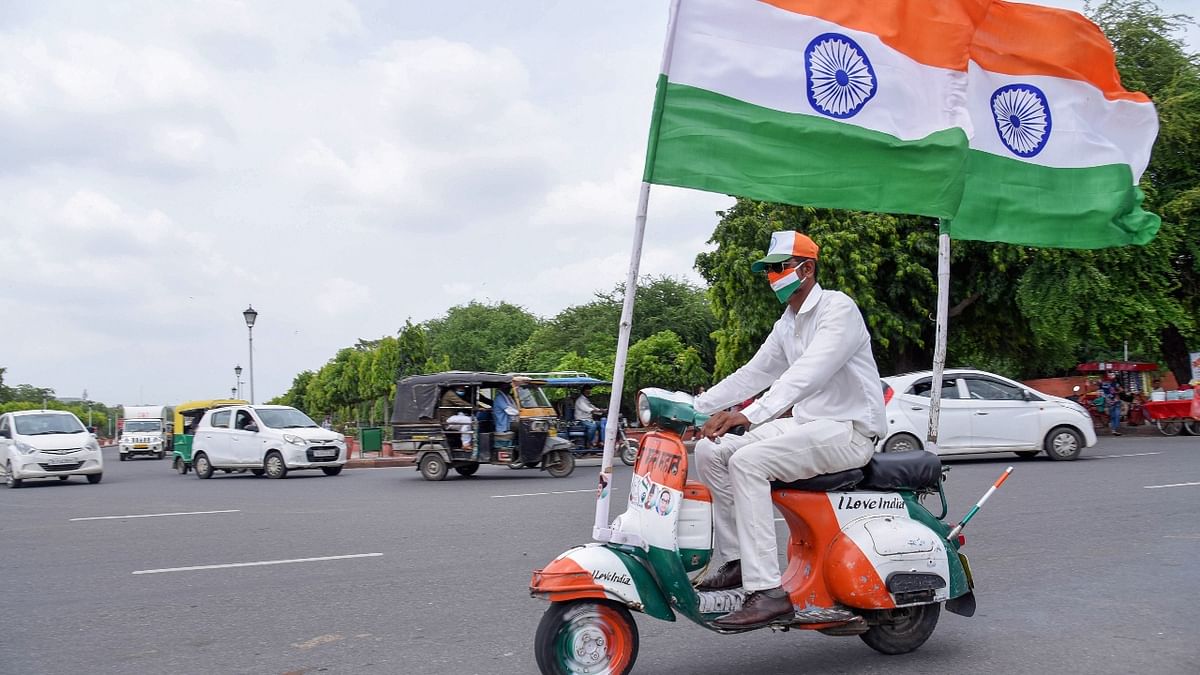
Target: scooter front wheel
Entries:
(902, 630)
(595, 637)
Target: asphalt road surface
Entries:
(1090, 566)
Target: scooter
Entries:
(865, 557)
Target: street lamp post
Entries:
(237, 373)
(250, 315)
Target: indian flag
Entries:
(1059, 145)
(836, 103)
(1008, 120)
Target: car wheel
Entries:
(1063, 443)
(9, 479)
(162, 454)
(1028, 454)
(202, 466)
(433, 467)
(559, 464)
(123, 457)
(94, 478)
(466, 469)
(902, 442)
(331, 470)
(274, 465)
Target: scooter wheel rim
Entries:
(594, 640)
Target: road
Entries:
(1082, 567)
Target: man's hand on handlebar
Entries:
(720, 424)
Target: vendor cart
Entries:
(1172, 417)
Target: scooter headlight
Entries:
(643, 409)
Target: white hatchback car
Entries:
(47, 444)
(983, 412)
(270, 439)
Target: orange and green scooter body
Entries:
(847, 551)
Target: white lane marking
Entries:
(1155, 487)
(157, 515)
(1133, 454)
(538, 494)
(258, 564)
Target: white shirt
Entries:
(818, 361)
(583, 408)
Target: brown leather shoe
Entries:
(729, 576)
(759, 609)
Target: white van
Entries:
(47, 444)
(270, 439)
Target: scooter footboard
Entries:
(598, 571)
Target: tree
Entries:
(662, 360)
(476, 336)
(1151, 57)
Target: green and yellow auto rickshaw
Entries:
(187, 416)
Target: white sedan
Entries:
(983, 412)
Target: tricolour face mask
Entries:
(785, 283)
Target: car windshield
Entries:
(143, 425)
(51, 423)
(532, 396)
(284, 418)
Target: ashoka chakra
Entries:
(1022, 116)
(840, 77)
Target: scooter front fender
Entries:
(600, 571)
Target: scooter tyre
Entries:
(566, 640)
(902, 635)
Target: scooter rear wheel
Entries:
(586, 636)
(902, 630)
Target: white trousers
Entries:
(738, 471)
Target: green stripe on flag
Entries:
(1015, 202)
(716, 143)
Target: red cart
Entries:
(1171, 417)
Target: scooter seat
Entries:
(908, 470)
(826, 482)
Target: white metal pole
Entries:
(251, 329)
(939, 343)
(600, 527)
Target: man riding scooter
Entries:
(817, 360)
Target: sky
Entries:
(340, 165)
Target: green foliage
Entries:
(662, 360)
(476, 336)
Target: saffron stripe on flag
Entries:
(904, 25)
(1026, 39)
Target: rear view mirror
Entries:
(251, 427)
(5, 434)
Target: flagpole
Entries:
(600, 528)
(939, 340)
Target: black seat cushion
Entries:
(826, 482)
(908, 470)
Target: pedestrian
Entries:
(1111, 390)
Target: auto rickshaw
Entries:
(460, 420)
(575, 430)
(187, 416)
